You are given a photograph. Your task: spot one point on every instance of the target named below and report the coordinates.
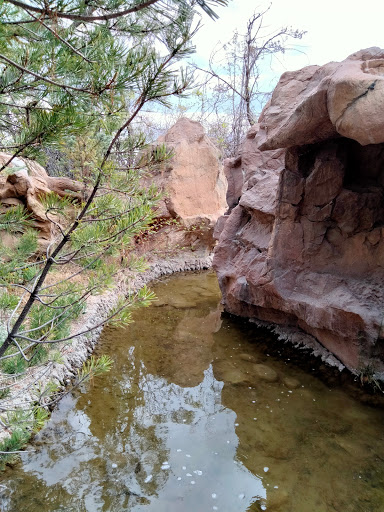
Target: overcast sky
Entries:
(335, 28)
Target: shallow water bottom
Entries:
(197, 416)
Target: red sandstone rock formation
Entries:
(305, 245)
(194, 186)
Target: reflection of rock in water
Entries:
(191, 353)
(181, 350)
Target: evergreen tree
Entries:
(69, 70)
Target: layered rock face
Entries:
(194, 188)
(304, 247)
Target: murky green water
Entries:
(195, 417)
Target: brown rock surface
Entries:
(193, 182)
(26, 183)
(317, 103)
(194, 185)
(305, 245)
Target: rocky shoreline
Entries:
(301, 340)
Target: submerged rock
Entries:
(264, 372)
(248, 357)
(291, 382)
(225, 371)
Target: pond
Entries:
(200, 413)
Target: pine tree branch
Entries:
(72, 336)
(81, 17)
(66, 43)
(43, 78)
(215, 75)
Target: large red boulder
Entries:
(304, 248)
(194, 189)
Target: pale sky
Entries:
(335, 28)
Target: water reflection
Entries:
(196, 416)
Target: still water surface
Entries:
(197, 416)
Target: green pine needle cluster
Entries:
(15, 220)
